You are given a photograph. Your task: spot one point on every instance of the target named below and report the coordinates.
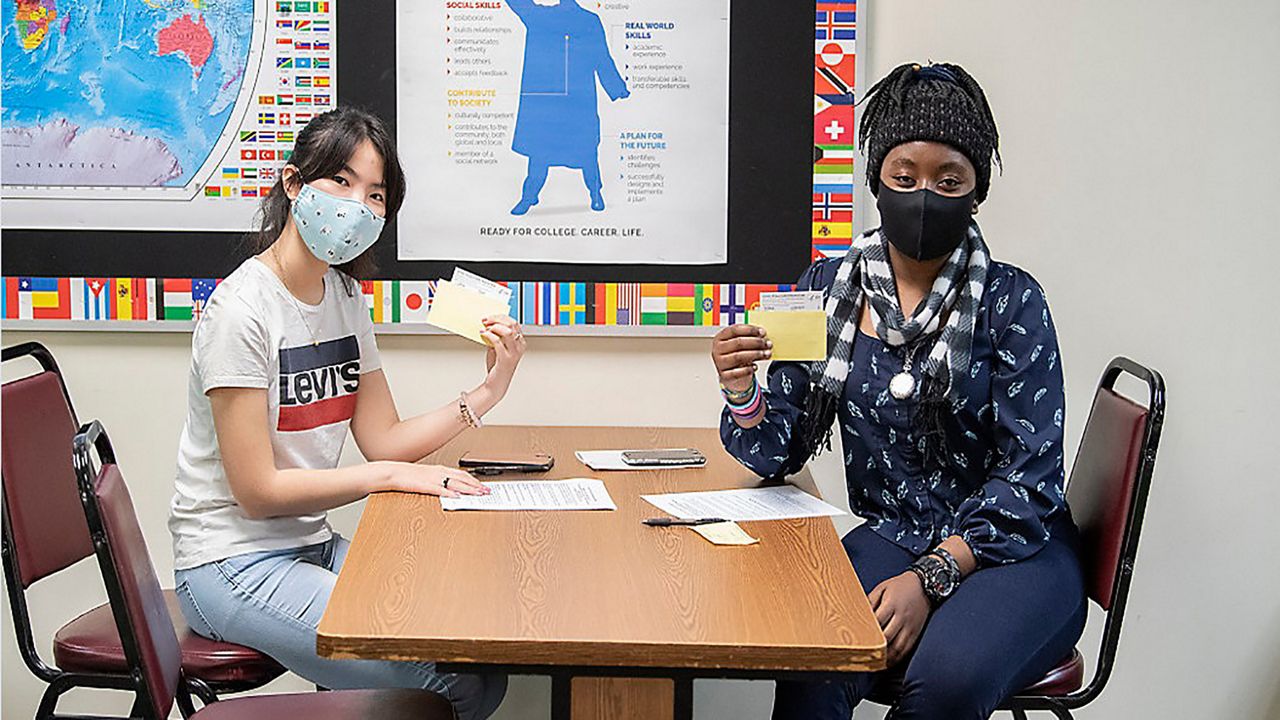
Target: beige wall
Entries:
(1140, 141)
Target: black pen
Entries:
(666, 522)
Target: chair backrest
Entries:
(1107, 493)
(137, 602)
(1111, 476)
(44, 519)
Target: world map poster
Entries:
(155, 114)
(565, 130)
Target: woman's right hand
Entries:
(735, 351)
(507, 346)
(432, 480)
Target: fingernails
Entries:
(768, 343)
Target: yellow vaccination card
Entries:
(462, 311)
(796, 334)
(725, 533)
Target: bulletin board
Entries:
(789, 199)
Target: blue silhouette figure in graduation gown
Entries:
(557, 123)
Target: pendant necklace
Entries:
(903, 385)
(275, 255)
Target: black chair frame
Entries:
(93, 436)
(57, 681)
(1061, 706)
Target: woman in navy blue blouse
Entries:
(950, 417)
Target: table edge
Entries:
(813, 658)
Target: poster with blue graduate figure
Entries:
(557, 122)
(564, 130)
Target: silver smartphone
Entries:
(671, 456)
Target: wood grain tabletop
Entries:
(597, 588)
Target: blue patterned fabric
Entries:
(1004, 482)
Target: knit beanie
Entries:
(939, 103)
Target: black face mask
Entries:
(922, 224)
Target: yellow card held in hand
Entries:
(462, 311)
(796, 334)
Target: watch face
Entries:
(945, 585)
(941, 584)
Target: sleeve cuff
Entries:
(234, 381)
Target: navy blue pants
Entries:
(1002, 630)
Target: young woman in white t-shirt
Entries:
(283, 364)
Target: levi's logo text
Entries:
(318, 384)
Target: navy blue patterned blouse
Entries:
(1003, 485)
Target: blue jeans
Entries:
(1004, 627)
(272, 601)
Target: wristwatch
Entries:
(939, 573)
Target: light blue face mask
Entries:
(336, 229)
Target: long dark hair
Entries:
(322, 148)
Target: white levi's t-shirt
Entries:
(309, 359)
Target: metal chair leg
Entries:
(683, 709)
(49, 700)
(561, 697)
(1058, 711)
(185, 705)
(201, 690)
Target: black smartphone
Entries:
(669, 456)
(482, 463)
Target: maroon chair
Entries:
(1107, 493)
(150, 644)
(44, 532)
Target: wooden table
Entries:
(598, 594)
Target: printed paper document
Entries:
(573, 494)
(770, 503)
(482, 285)
(791, 301)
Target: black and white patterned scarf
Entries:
(954, 297)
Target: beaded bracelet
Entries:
(468, 416)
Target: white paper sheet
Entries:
(612, 460)
(771, 503)
(483, 285)
(791, 301)
(573, 494)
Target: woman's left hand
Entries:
(901, 608)
(506, 348)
